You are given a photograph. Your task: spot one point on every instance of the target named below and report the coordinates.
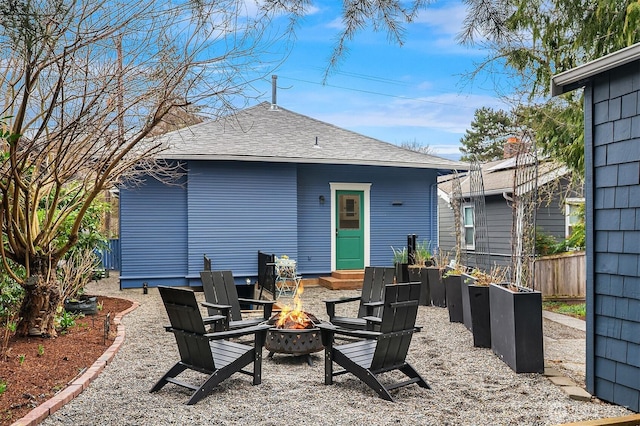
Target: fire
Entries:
(294, 318)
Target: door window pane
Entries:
(349, 217)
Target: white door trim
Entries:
(345, 186)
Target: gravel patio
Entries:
(470, 386)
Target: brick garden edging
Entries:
(80, 383)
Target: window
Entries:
(349, 211)
(468, 227)
(572, 213)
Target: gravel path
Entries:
(470, 386)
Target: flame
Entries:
(294, 318)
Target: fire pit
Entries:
(294, 331)
(295, 341)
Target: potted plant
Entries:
(453, 283)
(401, 263)
(74, 273)
(516, 327)
(437, 291)
(418, 271)
(475, 304)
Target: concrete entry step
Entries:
(343, 280)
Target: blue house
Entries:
(612, 165)
(269, 179)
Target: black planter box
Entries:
(420, 275)
(480, 311)
(436, 288)
(516, 328)
(453, 291)
(466, 308)
(414, 274)
(402, 273)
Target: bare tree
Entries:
(414, 145)
(84, 83)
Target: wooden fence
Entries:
(561, 276)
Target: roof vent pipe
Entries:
(274, 104)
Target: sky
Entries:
(419, 92)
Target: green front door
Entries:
(349, 230)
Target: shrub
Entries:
(11, 295)
(545, 244)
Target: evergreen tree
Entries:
(487, 136)
(537, 39)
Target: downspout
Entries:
(435, 221)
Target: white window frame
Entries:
(567, 213)
(465, 226)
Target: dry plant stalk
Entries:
(7, 332)
(441, 260)
(497, 275)
(76, 273)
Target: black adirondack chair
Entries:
(382, 351)
(222, 298)
(267, 273)
(208, 353)
(375, 278)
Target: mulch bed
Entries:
(37, 368)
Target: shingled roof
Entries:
(275, 134)
(498, 177)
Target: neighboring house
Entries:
(498, 178)
(272, 180)
(612, 166)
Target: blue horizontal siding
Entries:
(231, 210)
(153, 234)
(236, 209)
(314, 219)
(389, 224)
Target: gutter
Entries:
(578, 77)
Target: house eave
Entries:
(453, 165)
(579, 76)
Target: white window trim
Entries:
(567, 212)
(345, 186)
(471, 246)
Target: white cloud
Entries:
(443, 20)
(311, 10)
(443, 25)
(446, 149)
(336, 24)
(449, 112)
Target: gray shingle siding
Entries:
(446, 234)
(613, 351)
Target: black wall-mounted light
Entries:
(321, 200)
(396, 203)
